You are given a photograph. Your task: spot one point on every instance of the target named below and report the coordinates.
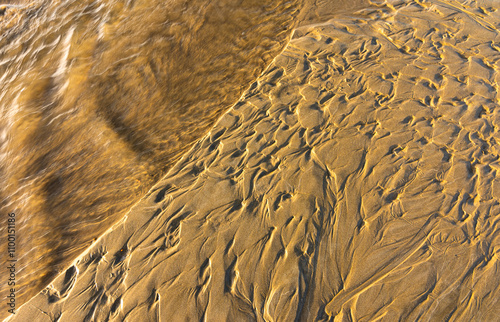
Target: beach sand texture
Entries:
(99, 99)
(355, 180)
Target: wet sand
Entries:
(100, 99)
(356, 179)
(97, 104)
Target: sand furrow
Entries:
(356, 179)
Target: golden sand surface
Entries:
(98, 99)
(355, 180)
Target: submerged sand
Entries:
(356, 179)
(98, 99)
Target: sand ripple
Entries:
(99, 98)
(356, 179)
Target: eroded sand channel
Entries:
(99, 98)
(355, 180)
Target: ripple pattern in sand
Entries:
(356, 180)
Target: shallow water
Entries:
(355, 180)
(99, 98)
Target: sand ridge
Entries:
(99, 98)
(356, 179)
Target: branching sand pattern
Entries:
(356, 179)
(96, 105)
